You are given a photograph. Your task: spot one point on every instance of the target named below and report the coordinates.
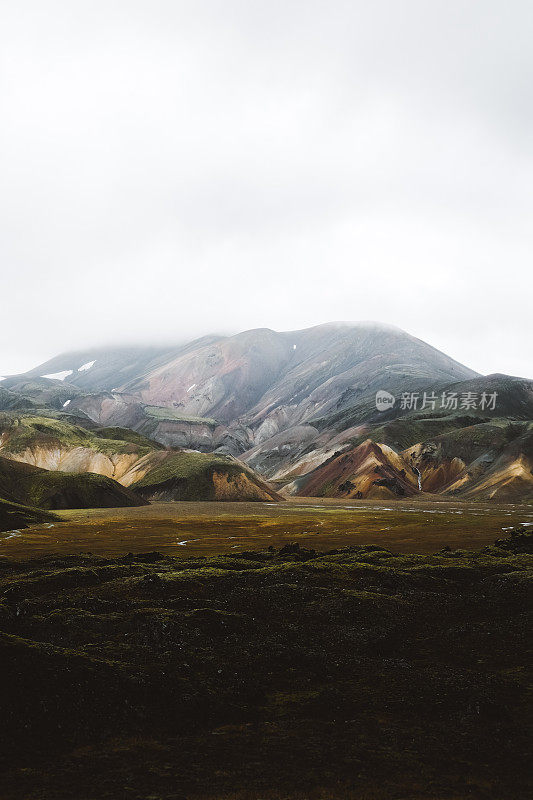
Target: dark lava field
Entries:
(274, 674)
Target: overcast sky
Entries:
(169, 169)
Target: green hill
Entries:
(24, 431)
(136, 461)
(118, 434)
(14, 515)
(46, 489)
(202, 476)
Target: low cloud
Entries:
(172, 169)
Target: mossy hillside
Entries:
(163, 414)
(514, 402)
(520, 441)
(188, 465)
(118, 434)
(25, 431)
(77, 418)
(463, 436)
(362, 672)
(15, 515)
(405, 432)
(46, 392)
(474, 441)
(13, 401)
(190, 474)
(54, 489)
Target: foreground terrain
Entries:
(355, 673)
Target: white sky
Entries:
(169, 169)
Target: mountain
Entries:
(234, 392)
(51, 463)
(475, 453)
(290, 404)
(368, 471)
(488, 461)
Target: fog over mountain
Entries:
(173, 169)
(299, 408)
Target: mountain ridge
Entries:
(285, 403)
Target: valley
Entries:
(188, 529)
(227, 574)
(266, 400)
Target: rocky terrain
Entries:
(258, 382)
(487, 460)
(286, 674)
(299, 408)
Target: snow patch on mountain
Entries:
(86, 366)
(58, 376)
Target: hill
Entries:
(368, 471)
(14, 516)
(201, 476)
(68, 454)
(486, 460)
(41, 488)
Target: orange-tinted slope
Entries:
(369, 470)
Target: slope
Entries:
(14, 516)
(29, 485)
(133, 460)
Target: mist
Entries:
(174, 169)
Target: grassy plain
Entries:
(201, 528)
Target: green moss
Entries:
(25, 431)
(168, 414)
(117, 434)
(187, 465)
(189, 476)
(157, 671)
(15, 515)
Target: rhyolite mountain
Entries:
(242, 389)
(290, 403)
(53, 464)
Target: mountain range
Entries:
(297, 409)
